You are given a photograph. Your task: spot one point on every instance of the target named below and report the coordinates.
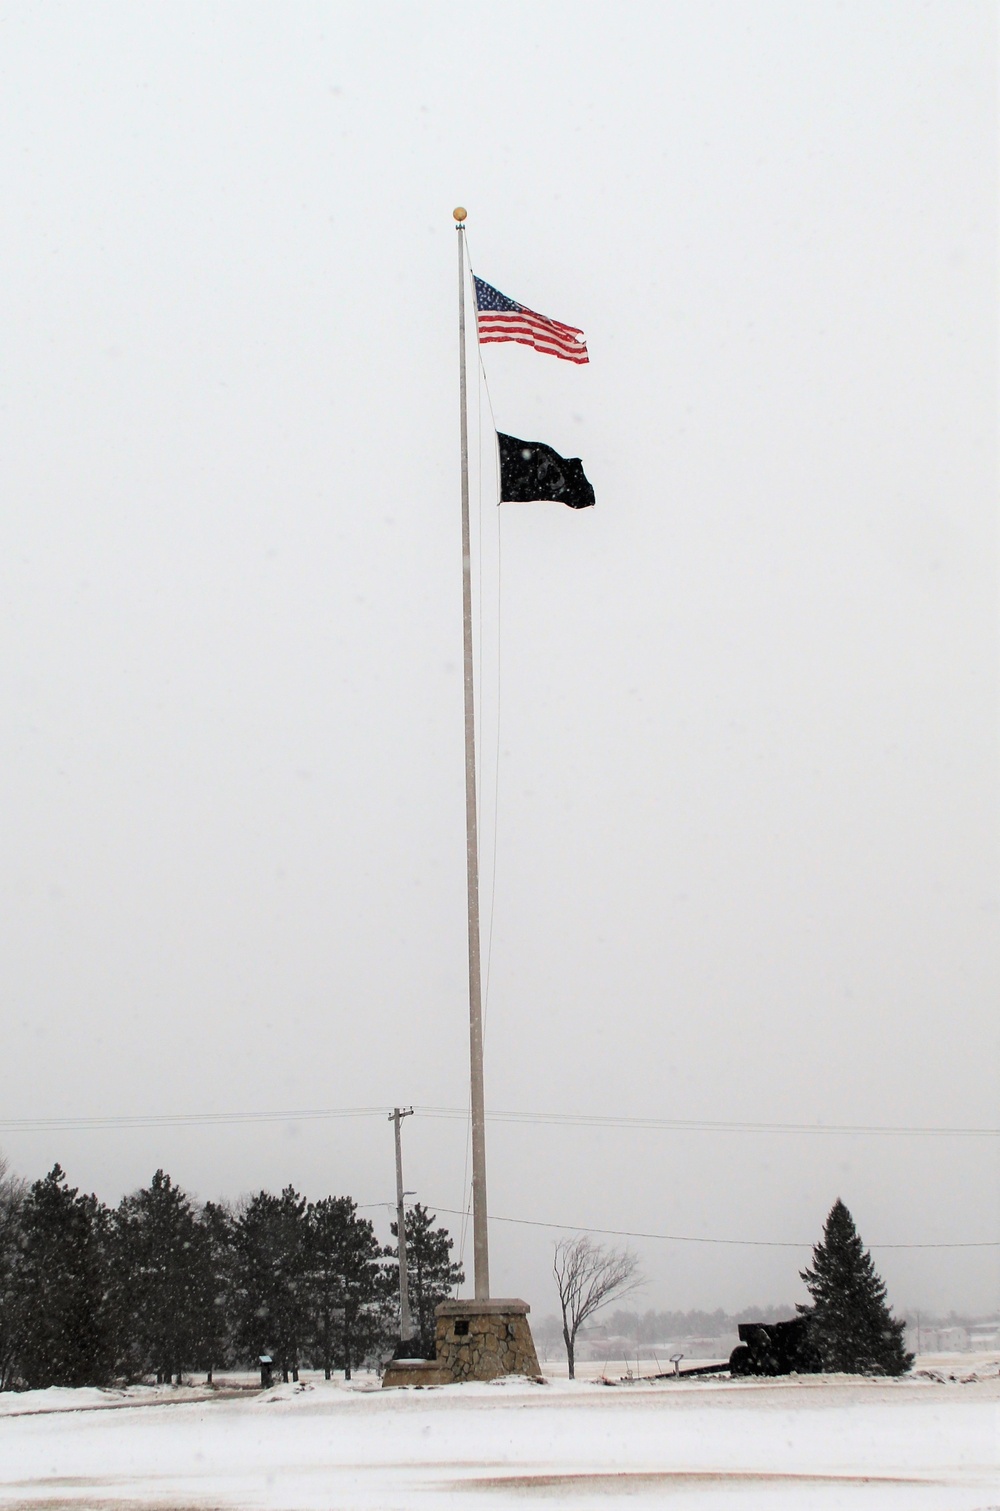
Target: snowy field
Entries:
(927, 1443)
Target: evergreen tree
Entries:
(850, 1325)
(270, 1263)
(66, 1288)
(346, 1284)
(431, 1273)
(12, 1194)
(162, 1256)
(213, 1300)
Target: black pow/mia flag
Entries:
(531, 471)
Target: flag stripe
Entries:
(528, 333)
(577, 355)
(529, 338)
(490, 321)
(511, 332)
(559, 324)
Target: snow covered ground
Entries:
(814, 1444)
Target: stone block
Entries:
(412, 1372)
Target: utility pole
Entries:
(405, 1325)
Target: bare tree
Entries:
(588, 1276)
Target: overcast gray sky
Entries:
(739, 722)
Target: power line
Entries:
(168, 1120)
(747, 1243)
(535, 1119)
(705, 1125)
(183, 1119)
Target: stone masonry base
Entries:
(475, 1340)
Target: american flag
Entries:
(503, 319)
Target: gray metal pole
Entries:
(405, 1325)
(480, 1236)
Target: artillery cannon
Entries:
(765, 1348)
(774, 1348)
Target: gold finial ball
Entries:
(460, 214)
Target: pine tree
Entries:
(12, 1319)
(213, 1301)
(850, 1325)
(270, 1264)
(431, 1273)
(71, 1327)
(346, 1283)
(162, 1254)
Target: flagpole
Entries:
(480, 1236)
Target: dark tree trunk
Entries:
(570, 1341)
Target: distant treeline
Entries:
(161, 1285)
(651, 1327)
(657, 1327)
(661, 1327)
